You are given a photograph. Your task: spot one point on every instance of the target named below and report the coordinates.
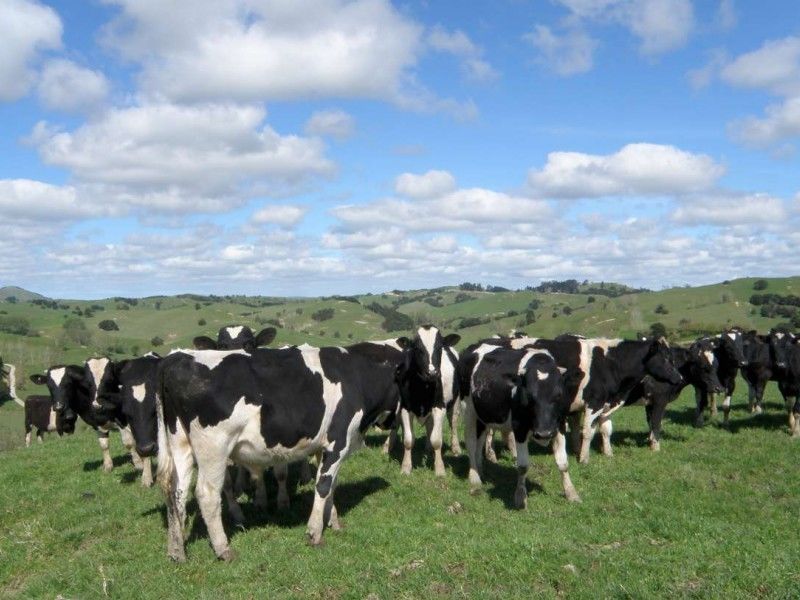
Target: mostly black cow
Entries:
(729, 354)
(428, 389)
(767, 360)
(39, 413)
(260, 409)
(517, 390)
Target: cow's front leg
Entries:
(130, 445)
(306, 474)
(560, 455)
(523, 461)
(454, 412)
(407, 419)
(28, 437)
(147, 472)
(606, 428)
(488, 446)
(260, 499)
(511, 443)
(281, 472)
(574, 421)
(656, 414)
(102, 438)
(391, 440)
(437, 419)
(589, 430)
(712, 404)
(795, 426)
(701, 400)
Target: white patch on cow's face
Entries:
(523, 363)
(234, 331)
(709, 357)
(97, 367)
(428, 338)
(57, 375)
(779, 335)
(541, 375)
(139, 392)
(212, 358)
(51, 424)
(732, 336)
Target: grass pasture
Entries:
(714, 514)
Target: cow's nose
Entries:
(147, 450)
(743, 364)
(543, 435)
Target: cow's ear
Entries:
(265, 336)
(203, 342)
(451, 340)
(663, 341)
(39, 379)
(403, 342)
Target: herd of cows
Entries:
(232, 408)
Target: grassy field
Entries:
(714, 514)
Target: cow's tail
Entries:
(165, 462)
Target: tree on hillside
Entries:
(760, 284)
(658, 329)
(108, 325)
(75, 332)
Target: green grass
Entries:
(714, 514)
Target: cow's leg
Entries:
(39, 435)
(437, 419)
(562, 462)
(658, 408)
(757, 409)
(130, 445)
(474, 444)
(589, 430)
(175, 477)
(700, 398)
(234, 510)
(147, 472)
(751, 396)
(102, 438)
(260, 499)
(281, 472)
(28, 436)
(488, 446)
(796, 423)
(574, 421)
(523, 461)
(606, 428)
(454, 412)
(211, 466)
(407, 419)
(726, 409)
(345, 437)
(305, 472)
(241, 481)
(712, 404)
(391, 440)
(511, 443)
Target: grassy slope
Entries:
(713, 515)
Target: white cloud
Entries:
(429, 185)
(183, 158)
(781, 121)
(36, 200)
(27, 28)
(569, 53)
(745, 210)
(636, 169)
(702, 76)
(459, 44)
(63, 85)
(285, 215)
(333, 123)
(726, 14)
(774, 67)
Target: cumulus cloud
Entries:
(285, 215)
(27, 29)
(459, 44)
(428, 185)
(636, 169)
(780, 121)
(65, 86)
(183, 158)
(568, 53)
(744, 210)
(774, 67)
(332, 123)
(36, 200)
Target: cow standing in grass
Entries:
(729, 354)
(260, 409)
(69, 389)
(766, 361)
(39, 413)
(428, 388)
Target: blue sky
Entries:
(304, 148)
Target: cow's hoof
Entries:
(491, 456)
(229, 555)
(583, 459)
(405, 469)
(455, 450)
(146, 483)
(315, 539)
(607, 452)
(336, 524)
(283, 503)
(573, 497)
(439, 470)
(178, 556)
(655, 446)
(108, 468)
(521, 498)
(758, 410)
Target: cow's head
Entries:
(658, 362)
(704, 363)
(236, 337)
(61, 381)
(423, 354)
(540, 392)
(779, 342)
(139, 408)
(65, 421)
(731, 342)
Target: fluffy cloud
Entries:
(774, 67)
(781, 121)
(183, 158)
(636, 169)
(27, 28)
(63, 85)
(569, 53)
(285, 215)
(333, 123)
(429, 185)
(35, 200)
(459, 44)
(746, 210)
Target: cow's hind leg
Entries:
(175, 477)
(345, 438)
(474, 445)
(281, 472)
(211, 467)
(487, 444)
(391, 440)
(39, 436)
(794, 422)
(606, 429)
(589, 430)
(408, 440)
(562, 462)
(453, 413)
(102, 438)
(234, 510)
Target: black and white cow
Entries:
(729, 352)
(236, 337)
(518, 390)
(767, 360)
(697, 365)
(39, 413)
(428, 389)
(129, 387)
(789, 386)
(69, 389)
(261, 409)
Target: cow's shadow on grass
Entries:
(769, 419)
(773, 418)
(639, 439)
(94, 465)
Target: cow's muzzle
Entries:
(543, 436)
(147, 450)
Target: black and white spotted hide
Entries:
(39, 413)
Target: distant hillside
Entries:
(19, 293)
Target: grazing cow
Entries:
(236, 337)
(518, 390)
(39, 413)
(428, 388)
(766, 357)
(697, 365)
(70, 392)
(260, 409)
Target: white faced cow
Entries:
(260, 409)
(428, 388)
